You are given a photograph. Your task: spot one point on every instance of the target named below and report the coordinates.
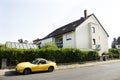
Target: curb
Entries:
(68, 66)
(62, 67)
(4, 71)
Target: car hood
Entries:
(24, 64)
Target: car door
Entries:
(42, 66)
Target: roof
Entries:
(100, 25)
(21, 45)
(37, 41)
(70, 27)
(118, 40)
(67, 28)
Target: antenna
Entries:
(54, 26)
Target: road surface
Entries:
(109, 71)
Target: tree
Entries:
(49, 45)
(26, 41)
(20, 40)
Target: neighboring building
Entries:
(87, 33)
(116, 43)
(37, 41)
(21, 45)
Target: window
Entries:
(93, 29)
(17, 45)
(94, 42)
(35, 62)
(74, 25)
(13, 45)
(68, 36)
(42, 62)
(21, 46)
(25, 47)
(8, 44)
(118, 46)
(64, 29)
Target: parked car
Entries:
(36, 65)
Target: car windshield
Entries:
(35, 61)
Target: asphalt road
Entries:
(109, 71)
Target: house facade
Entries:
(116, 43)
(86, 33)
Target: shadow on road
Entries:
(14, 73)
(11, 73)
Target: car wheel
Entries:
(27, 71)
(51, 68)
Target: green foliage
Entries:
(114, 53)
(2, 45)
(110, 55)
(92, 55)
(59, 55)
(49, 45)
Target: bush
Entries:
(59, 55)
(92, 55)
(49, 45)
(114, 53)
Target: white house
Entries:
(116, 43)
(87, 33)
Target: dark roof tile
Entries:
(67, 28)
(118, 40)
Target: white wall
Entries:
(100, 35)
(82, 38)
(69, 43)
(85, 36)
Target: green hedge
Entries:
(114, 53)
(59, 55)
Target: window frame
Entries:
(68, 36)
(94, 41)
(93, 29)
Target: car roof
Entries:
(41, 59)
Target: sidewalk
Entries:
(67, 66)
(86, 64)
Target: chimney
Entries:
(114, 39)
(85, 13)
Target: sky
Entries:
(32, 19)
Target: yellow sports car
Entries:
(38, 64)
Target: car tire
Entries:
(27, 71)
(50, 69)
